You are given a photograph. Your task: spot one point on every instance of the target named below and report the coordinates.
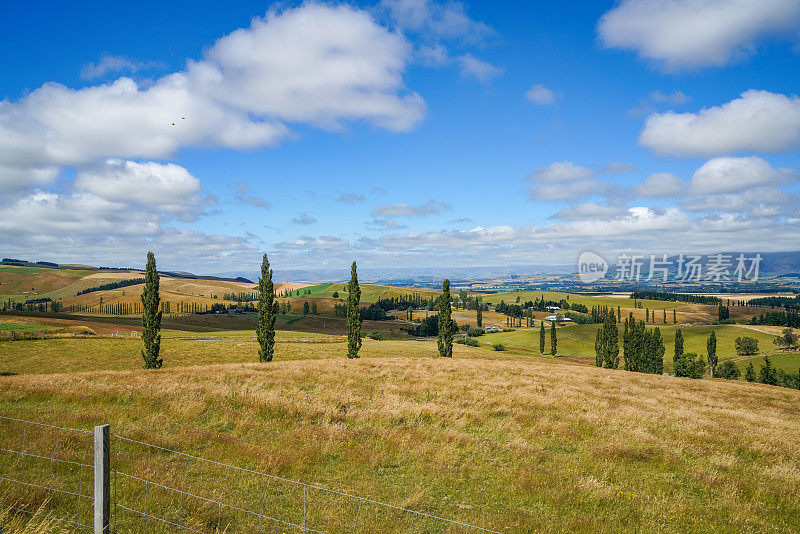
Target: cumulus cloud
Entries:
(312, 243)
(731, 175)
(757, 121)
(588, 210)
(472, 67)
(539, 94)
(315, 64)
(660, 185)
(304, 219)
(437, 20)
(685, 34)
(385, 223)
(675, 97)
(350, 198)
(245, 195)
(113, 64)
(164, 187)
(400, 209)
(564, 180)
(758, 202)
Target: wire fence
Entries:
(156, 489)
(46, 464)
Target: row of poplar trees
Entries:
(268, 312)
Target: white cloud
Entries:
(446, 20)
(539, 94)
(588, 210)
(684, 34)
(399, 209)
(108, 64)
(350, 198)
(676, 97)
(660, 185)
(304, 218)
(311, 243)
(164, 187)
(432, 56)
(18, 178)
(757, 121)
(564, 181)
(385, 223)
(316, 64)
(731, 175)
(477, 68)
(758, 202)
(246, 195)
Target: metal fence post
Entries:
(102, 479)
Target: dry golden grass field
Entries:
(511, 443)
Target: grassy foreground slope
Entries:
(512, 443)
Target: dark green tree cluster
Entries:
(689, 365)
(151, 316)
(674, 297)
(553, 339)
(746, 346)
(541, 337)
(785, 318)
(606, 343)
(643, 348)
(723, 313)
(112, 285)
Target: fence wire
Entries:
(41, 470)
(204, 495)
(44, 472)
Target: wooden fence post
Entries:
(102, 479)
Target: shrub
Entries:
(499, 347)
(746, 346)
(376, 336)
(750, 373)
(461, 341)
(475, 332)
(471, 341)
(728, 370)
(690, 365)
(767, 374)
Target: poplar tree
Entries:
(445, 341)
(478, 312)
(267, 313)
(610, 342)
(553, 340)
(541, 337)
(711, 348)
(678, 343)
(353, 314)
(151, 316)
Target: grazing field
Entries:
(512, 443)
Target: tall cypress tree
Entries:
(353, 314)
(478, 312)
(678, 343)
(553, 340)
(151, 316)
(445, 341)
(267, 313)
(541, 337)
(610, 342)
(711, 346)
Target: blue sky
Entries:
(398, 133)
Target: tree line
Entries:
(674, 297)
(112, 285)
